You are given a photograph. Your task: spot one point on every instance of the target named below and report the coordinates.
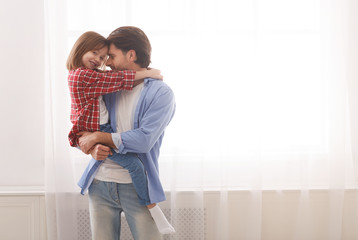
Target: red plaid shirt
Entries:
(86, 86)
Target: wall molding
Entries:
(22, 190)
(22, 216)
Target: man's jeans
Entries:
(106, 202)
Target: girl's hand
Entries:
(86, 141)
(155, 73)
(148, 73)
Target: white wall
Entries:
(21, 95)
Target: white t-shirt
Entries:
(110, 171)
(103, 113)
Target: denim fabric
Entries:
(106, 128)
(129, 161)
(132, 163)
(107, 200)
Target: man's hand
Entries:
(87, 141)
(100, 152)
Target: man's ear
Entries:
(132, 55)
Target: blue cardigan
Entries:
(154, 111)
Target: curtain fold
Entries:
(352, 76)
(61, 204)
(265, 130)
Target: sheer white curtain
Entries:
(266, 101)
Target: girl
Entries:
(87, 84)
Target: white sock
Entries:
(163, 225)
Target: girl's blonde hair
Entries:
(86, 42)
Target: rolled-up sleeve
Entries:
(117, 140)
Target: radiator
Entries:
(189, 224)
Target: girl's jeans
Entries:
(133, 164)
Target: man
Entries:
(140, 117)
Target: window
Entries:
(250, 78)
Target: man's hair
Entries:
(88, 41)
(132, 38)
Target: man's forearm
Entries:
(105, 138)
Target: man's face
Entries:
(118, 60)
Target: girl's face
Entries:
(95, 58)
